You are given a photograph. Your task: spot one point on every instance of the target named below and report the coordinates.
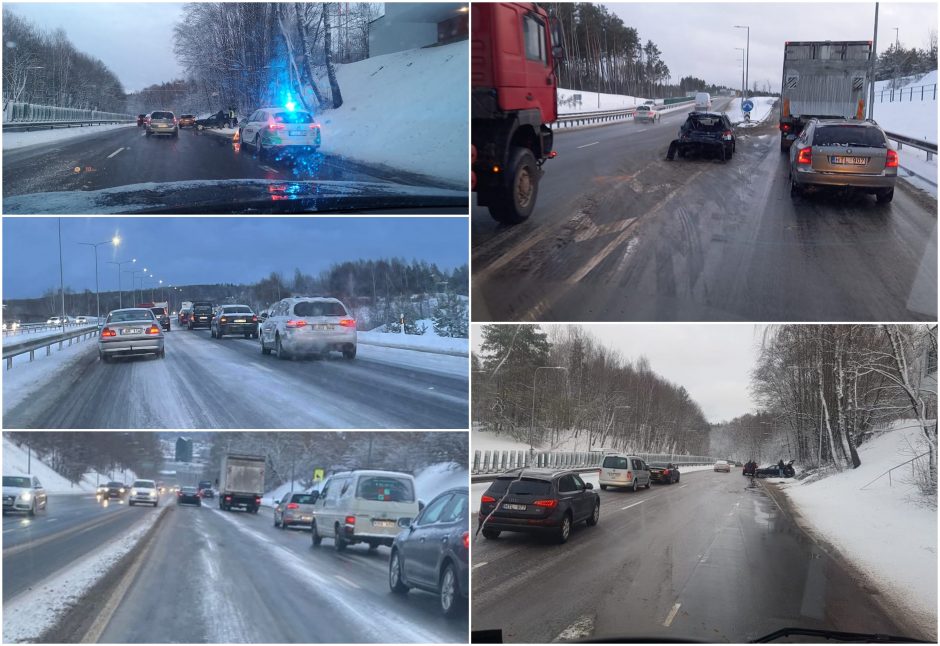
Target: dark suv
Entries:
(201, 315)
(709, 133)
(541, 501)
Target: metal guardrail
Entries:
(20, 112)
(602, 116)
(926, 146)
(495, 462)
(917, 92)
(888, 472)
(49, 125)
(30, 346)
(29, 328)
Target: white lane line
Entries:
(592, 144)
(681, 486)
(264, 368)
(580, 629)
(475, 565)
(347, 581)
(115, 152)
(672, 615)
(633, 505)
(12, 529)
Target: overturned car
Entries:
(704, 133)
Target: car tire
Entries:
(130, 503)
(163, 353)
(884, 197)
(155, 504)
(275, 521)
(279, 349)
(394, 574)
(522, 167)
(339, 541)
(104, 358)
(595, 515)
(795, 190)
(448, 592)
(671, 153)
(258, 145)
(315, 538)
(264, 349)
(490, 533)
(247, 335)
(635, 485)
(564, 530)
(349, 352)
(603, 487)
(648, 483)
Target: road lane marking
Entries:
(264, 368)
(115, 152)
(633, 505)
(592, 144)
(476, 565)
(672, 615)
(580, 629)
(680, 486)
(347, 581)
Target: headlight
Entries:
(122, 490)
(26, 496)
(133, 492)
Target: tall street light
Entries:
(133, 273)
(94, 245)
(747, 57)
(532, 424)
(743, 60)
(120, 292)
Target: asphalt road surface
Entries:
(208, 576)
(621, 234)
(228, 383)
(711, 558)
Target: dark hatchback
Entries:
(664, 472)
(116, 490)
(704, 133)
(541, 501)
(189, 496)
(433, 554)
(201, 315)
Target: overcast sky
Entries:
(712, 362)
(699, 39)
(191, 250)
(134, 40)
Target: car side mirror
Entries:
(588, 485)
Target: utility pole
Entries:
(61, 278)
(871, 77)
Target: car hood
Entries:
(15, 491)
(249, 196)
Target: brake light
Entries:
(153, 329)
(891, 161)
(805, 156)
(275, 126)
(350, 520)
(487, 499)
(292, 505)
(466, 540)
(179, 493)
(665, 472)
(785, 127)
(550, 504)
(298, 323)
(314, 126)
(727, 134)
(348, 322)
(228, 497)
(860, 111)
(108, 332)
(254, 319)
(257, 500)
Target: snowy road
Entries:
(213, 576)
(711, 558)
(621, 234)
(228, 383)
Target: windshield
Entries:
(319, 308)
(385, 489)
(17, 481)
(146, 484)
(282, 108)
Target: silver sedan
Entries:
(130, 332)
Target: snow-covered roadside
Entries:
(419, 342)
(29, 377)
(13, 140)
(16, 461)
(887, 532)
(763, 105)
(28, 615)
(456, 363)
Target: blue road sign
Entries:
(748, 105)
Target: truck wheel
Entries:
(339, 541)
(520, 190)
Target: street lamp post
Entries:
(532, 423)
(94, 245)
(133, 273)
(747, 59)
(120, 292)
(743, 60)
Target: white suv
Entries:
(621, 470)
(309, 325)
(143, 491)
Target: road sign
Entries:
(748, 105)
(317, 474)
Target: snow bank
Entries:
(406, 110)
(12, 140)
(439, 477)
(763, 106)
(886, 531)
(15, 461)
(28, 377)
(420, 342)
(595, 101)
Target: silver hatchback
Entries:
(843, 153)
(294, 509)
(130, 332)
(309, 326)
(163, 123)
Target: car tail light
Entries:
(254, 319)
(223, 320)
(297, 323)
(727, 134)
(348, 322)
(228, 497)
(108, 332)
(179, 493)
(665, 472)
(785, 127)
(466, 540)
(275, 126)
(550, 504)
(314, 126)
(292, 505)
(629, 475)
(487, 499)
(350, 520)
(153, 329)
(257, 500)
(891, 161)
(805, 156)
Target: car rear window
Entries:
(525, 487)
(319, 308)
(385, 489)
(706, 123)
(302, 499)
(131, 315)
(16, 481)
(615, 462)
(202, 309)
(161, 115)
(658, 465)
(159, 311)
(847, 135)
(293, 117)
(237, 310)
(187, 116)
(188, 490)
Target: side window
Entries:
(36, 482)
(566, 484)
(533, 33)
(347, 489)
(432, 513)
(578, 482)
(456, 509)
(328, 492)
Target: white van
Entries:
(622, 470)
(363, 507)
(703, 101)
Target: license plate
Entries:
(849, 161)
(296, 133)
(131, 330)
(322, 326)
(239, 320)
(383, 523)
(513, 507)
